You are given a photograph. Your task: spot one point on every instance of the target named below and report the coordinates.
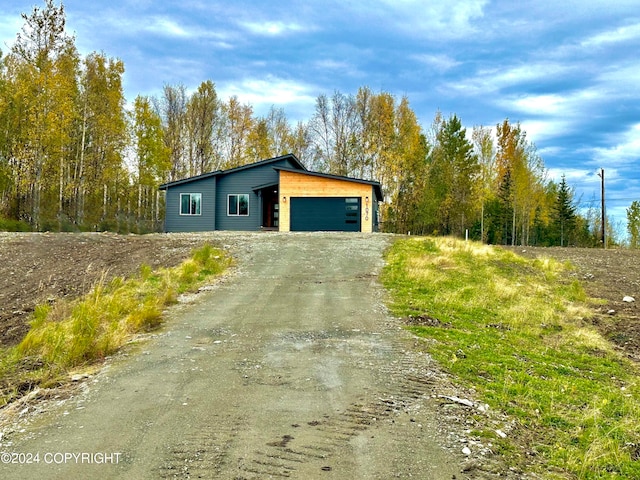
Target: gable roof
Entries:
(300, 168)
(289, 156)
(376, 185)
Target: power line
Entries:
(597, 200)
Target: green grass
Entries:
(8, 225)
(517, 330)
(72, 334)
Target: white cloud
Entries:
(432, 19)
(624, 152)
(581, 176)
(271, 29)
(166, 26)
(491, 80)
(621, 79)
(538, 130)
(436, 61)
(619, 35)
(552, 150)
(526, 72)
(541, 104)
(330, 64)
(565, 105)
(264, 92)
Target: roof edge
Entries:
(377, 186)
(164, 186)
(291, 156)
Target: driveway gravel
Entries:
(288, 367)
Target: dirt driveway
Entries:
(290, 367)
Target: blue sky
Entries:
(568, 71)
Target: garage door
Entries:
(325, 214)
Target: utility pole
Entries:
(604, 218)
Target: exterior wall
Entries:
(301, 185)
(376, 212)
(175, 222)
(243, 182)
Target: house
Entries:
(274, 194)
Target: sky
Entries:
(568, 71)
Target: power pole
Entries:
(604, 218)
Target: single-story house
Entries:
(274, 194)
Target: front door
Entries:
(270, 208)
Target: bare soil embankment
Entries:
(43, 267)
(610, 275)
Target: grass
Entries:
(8, 225)
(517, 331)
(71, 334)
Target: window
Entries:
(190, 203)
(352, 207)
(238, 205)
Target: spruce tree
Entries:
(564, 212)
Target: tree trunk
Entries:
(513, 227)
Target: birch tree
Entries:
(103, 178)
(152, 161)
(43, 62)
(633, 224)
(173, 110)
(202, 118)
(484, 148)
(238, 122)
(333, 127)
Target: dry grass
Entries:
(528, 350)
(67, 335)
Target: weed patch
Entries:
(516, 331)
(66, 335)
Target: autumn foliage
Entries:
(74, 156)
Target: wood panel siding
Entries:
(305, 185)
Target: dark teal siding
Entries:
(244, 182)
(253, 181)
(175, 222)
(376, 225)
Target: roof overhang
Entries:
(266, 185)
(377, 188)
(289, 156)
(164, 186)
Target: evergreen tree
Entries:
(564, 213)
(504, 212)
(454, 176)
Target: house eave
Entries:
(376, 185)
(290, 156)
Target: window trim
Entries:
(199, 204)
(238, 214)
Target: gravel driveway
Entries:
(289, 367)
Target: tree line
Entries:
(73, 156)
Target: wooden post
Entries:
(604, 217)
